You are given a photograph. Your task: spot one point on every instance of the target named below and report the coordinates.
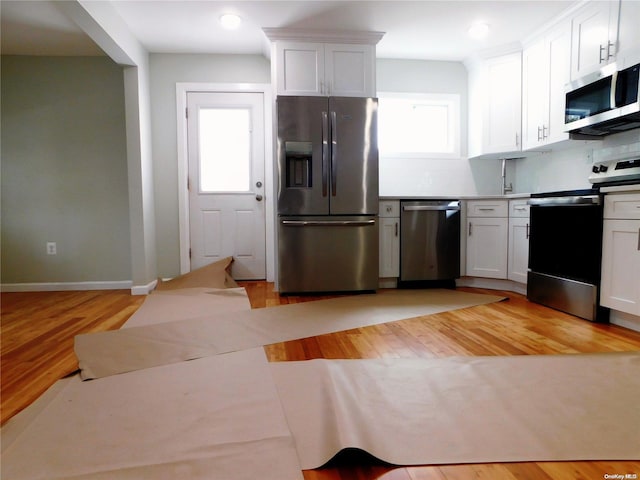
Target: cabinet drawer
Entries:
(622, 206)
(518, 208)
(389, 208)
(487, 208)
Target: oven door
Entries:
(565, 248)
(566, 238)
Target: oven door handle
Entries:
(565, 201)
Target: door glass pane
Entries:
(225, 149)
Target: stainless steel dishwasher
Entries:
(429, 240)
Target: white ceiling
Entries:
(428, 29)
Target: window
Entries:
(225, 149)
(419, 125)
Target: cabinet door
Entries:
(349, 70)
(300, 68)
(593, 37)
(546, 71)
(503, 104)
(629, 32)
(389, 247)
(558, 48)
(518, 249)
(487, 247)
(535, 68)
(620, 286)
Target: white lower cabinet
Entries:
(620, 284)
(389, 231)
(518, 261)
(487, 238)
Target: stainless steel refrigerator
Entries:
(327, 194)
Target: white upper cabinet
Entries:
(350, 70)
(594, 36)
(300, 68)
(324, 69)
(629, 27)
(545, 72)
(495, 106)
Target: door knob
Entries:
(259, 198)
(258, 184)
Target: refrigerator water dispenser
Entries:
(298, 159)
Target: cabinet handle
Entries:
(396, 229)
(544, 132)
(609, 54)
(486, 209)
(639, 239)
(469, 228)
(527, 236)
(602, 49)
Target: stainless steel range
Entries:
(565, 243)
(616, 166)
(565, 249)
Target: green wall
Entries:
(167, 70)
(64, 170)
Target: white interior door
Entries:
(226, 149)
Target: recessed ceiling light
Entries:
(478, 30)
(230, 21)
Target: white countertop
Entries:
(512, 196)
(621, 188)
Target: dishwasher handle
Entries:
(420, 208)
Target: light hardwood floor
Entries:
(37, 349)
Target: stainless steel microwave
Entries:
(603, 103)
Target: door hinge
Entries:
(186, 113)
(189, 254)
(188, 184)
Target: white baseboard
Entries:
(492, 284)
(144, 289)
(65, 286)
(387, 283)
(626, 320)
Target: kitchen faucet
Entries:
(505, 189)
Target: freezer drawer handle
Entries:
(328, 223)
(417, 208)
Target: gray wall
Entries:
(432, 177)
(64, 170)
(167, 70)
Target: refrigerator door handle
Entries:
(325, 149)
(328, 223)
(334, 148)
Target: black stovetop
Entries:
(568, 193)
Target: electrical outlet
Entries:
(52, 248)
